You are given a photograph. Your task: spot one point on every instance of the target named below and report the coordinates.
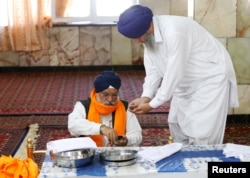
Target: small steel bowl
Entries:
(74, 158)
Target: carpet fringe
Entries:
(32, 134)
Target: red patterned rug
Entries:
(238, 134)
(57, 92)
(153, 120)
(151, 137)
(20, 122)
(10, 139)
(155, 131)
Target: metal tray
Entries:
(118, 155)
(119, 163)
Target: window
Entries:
(191, 9)
(89, 11)
(3, 13)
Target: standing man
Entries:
(187, 65)
(104, 116)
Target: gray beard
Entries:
(110, 103)
(150, 42)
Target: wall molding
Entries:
(70, 68)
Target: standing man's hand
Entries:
(142, 108)
(140, 105)
(133, 104)
(136, 102)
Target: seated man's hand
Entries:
(121, 141)
(110, 133)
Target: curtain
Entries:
(28, 21)
(61, 7)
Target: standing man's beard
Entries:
(150, 41)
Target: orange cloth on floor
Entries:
(15, 168)
(96, 109)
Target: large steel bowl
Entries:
(74, 158)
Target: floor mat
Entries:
(10, 140)
(57, 92)
(151, 137)
(153, 120)
(20, 122)
(237, 133)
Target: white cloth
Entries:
(155, 154)
(68, 144)
(79, 125)
(185, 56)
(200, 128)
(190, 66)
(238, 151)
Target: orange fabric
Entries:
(15, 168)
(96, 109)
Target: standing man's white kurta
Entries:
(193, 69)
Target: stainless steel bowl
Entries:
(118, 155)
(74, 158)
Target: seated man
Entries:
(104, 117)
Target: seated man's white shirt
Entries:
(79, 125)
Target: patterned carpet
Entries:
(151, 137)
(45, 98)
(57, 92)
(238, 134)
(14, 128)
(10, 139)
(21, 122)
(155, 130)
